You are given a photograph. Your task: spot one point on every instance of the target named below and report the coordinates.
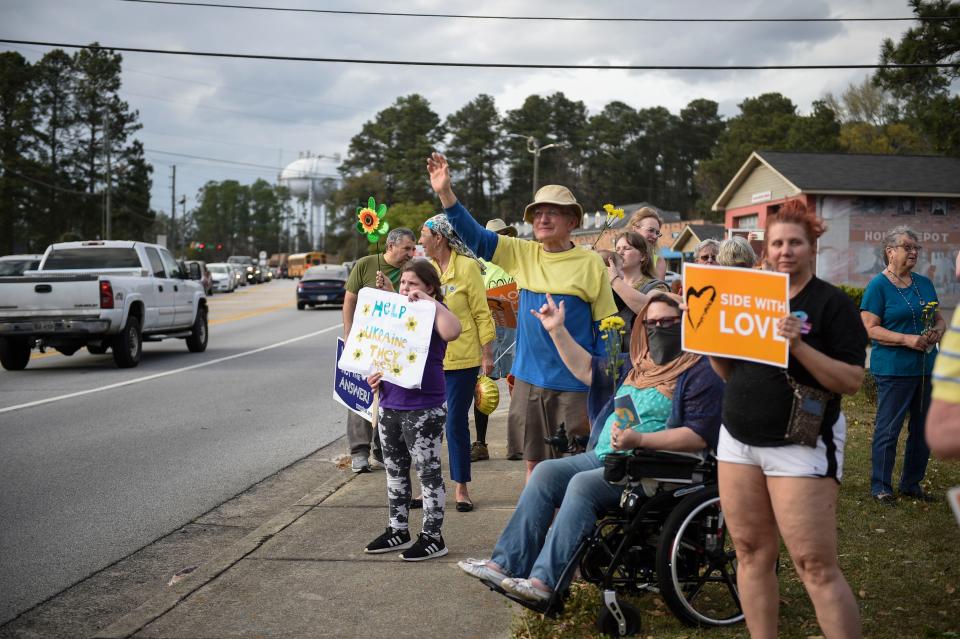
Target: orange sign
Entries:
(504, 302)
(733, 312)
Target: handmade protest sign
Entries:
(733, 312)
(391, 335)
(504, 302)
(351, 389)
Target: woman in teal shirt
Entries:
(904, 332)
(676, 397)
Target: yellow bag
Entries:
(486, 395)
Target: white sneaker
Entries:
(359, 464)
(525, 589)
(478, 568)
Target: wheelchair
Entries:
(668, 536)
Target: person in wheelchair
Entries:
(676, 397)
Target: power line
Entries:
(51, 186)
(222, 161)
(216, 5)
(494, 65)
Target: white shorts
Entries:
(794, 460)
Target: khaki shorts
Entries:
(536, 413)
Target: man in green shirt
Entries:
(401, 243)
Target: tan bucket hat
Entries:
(553, 194)
(501, 228)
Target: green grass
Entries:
(902, 563)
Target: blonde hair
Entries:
(642, 214)
(736, 251)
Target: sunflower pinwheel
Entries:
(371, 220)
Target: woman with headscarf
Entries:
(466, 296)
(677, 398)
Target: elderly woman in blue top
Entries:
(546, 394)
(677, 397)
(904, 333)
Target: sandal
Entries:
(464, 506)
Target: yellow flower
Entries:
(366, 309)
(612, 212)
(412, 324)
(369, 220)
(412, 357)
(360, 336)
(357, 354)
(612, 323)
(396, 369)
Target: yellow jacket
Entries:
(466, 296)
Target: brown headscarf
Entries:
(647, 374)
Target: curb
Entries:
(151, 610)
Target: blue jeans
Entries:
(460, 387)
(529, 546)
(895, 397)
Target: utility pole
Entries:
(106, 148)
(173, 209)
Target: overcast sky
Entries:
(266, 112)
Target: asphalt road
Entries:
(96, 462)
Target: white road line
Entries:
(129, 382)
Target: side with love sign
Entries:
(391, 335)
(733, 312)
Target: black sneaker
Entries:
(426, 547)
(389, 541)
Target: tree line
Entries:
(61, 122)
(53, 178)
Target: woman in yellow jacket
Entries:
(466, 296)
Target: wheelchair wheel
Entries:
(607, 623)
(696, 563)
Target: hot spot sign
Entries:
(391, 335)
(733, 312)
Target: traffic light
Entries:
(219, 247)
(201, 246)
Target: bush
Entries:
(854, 292)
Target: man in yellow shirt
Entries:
(943, 419)
(546, 394)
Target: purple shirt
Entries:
(432, 392)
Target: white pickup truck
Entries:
(103, 294)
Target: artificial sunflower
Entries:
(371, 220)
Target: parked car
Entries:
(323, 285)
(199, 272)
(224, 277)
(248, 265)
(17, 264)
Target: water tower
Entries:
(303, 177)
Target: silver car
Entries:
(224, 280)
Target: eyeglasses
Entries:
(665, 322)
(909, 248)
(707, 258)
(547, 212)
(647, 229)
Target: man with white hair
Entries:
(546, 393)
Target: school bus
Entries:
(300, 262)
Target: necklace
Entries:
(913, 284)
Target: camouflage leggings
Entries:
(416, 434)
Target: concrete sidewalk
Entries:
(304, 573)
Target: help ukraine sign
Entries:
(733, 312)
(390, 335)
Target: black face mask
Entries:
(664, 343)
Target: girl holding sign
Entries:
(781, 445)
(411, 427)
